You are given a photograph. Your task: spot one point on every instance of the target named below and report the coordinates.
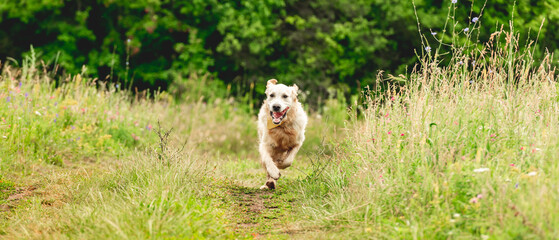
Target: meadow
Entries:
(462, 151)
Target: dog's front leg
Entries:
(290, 157)
(271, 168)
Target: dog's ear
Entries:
(295, 90)
(271, 82)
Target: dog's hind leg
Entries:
(270, 183)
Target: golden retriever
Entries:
(281, 129)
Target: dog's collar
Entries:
(272, 125)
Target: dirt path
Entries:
(261, 213)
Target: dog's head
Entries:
(280, 98)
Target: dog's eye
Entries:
(272, 95)
(284, 96)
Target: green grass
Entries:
(457, 152)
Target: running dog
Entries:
(281, 129)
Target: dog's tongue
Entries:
(278, 114)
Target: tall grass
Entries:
(80, 160)
(466, 150)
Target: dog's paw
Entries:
(271, 184)
(264, 187)
(274, 173)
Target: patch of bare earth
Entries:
(261, 213)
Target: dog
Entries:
(281, 129)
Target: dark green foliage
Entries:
(318, 44)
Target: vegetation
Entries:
(322, 45)
(462, 146)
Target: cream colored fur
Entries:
(279, 145)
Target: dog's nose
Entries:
(276, 108)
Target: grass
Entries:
(464, 151)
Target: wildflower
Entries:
(38, 113)
(454, 1)
(478, 170)
(402, 134)
(476, 198)
(456, 215)
(8, 99)
(512, 165)
(428, 49)
(55, 104)
(26, 95)
(389, 132)
(516, 185)
(466, 29)
(460, 63)
(475, 19)
(493, 135)
(522, 148)
(128, 41)
(149, 127)
(530, 174)
(433, 33)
